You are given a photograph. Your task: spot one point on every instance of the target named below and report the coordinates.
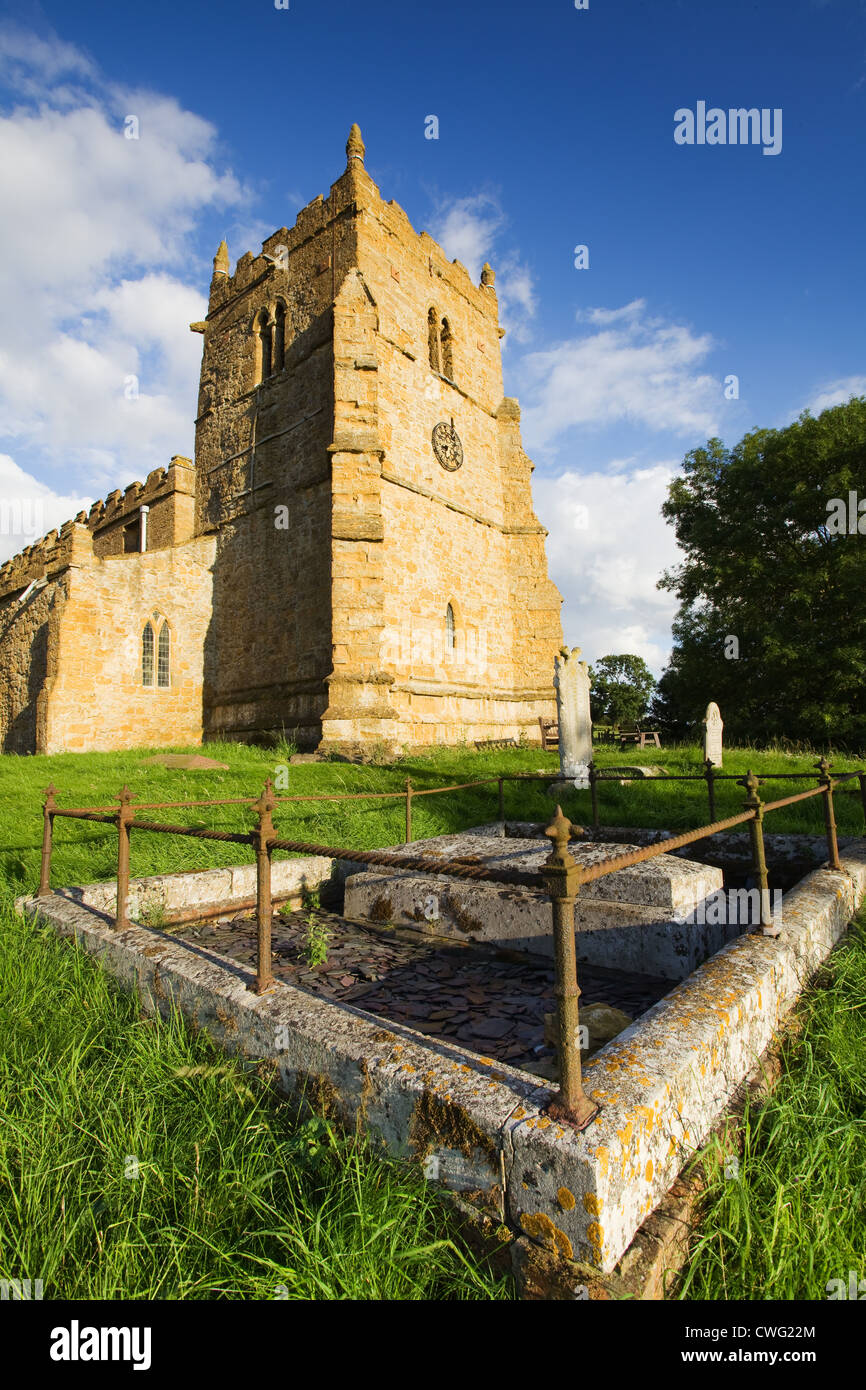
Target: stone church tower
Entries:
(353, 556)
(380, 570)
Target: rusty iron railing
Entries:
(561, 877)
(711, 775)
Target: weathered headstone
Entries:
(713, 726)
(571, 680)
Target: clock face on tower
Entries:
(447, 446)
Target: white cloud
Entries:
(29, 509)
(608, 545)
(467, 229)
(635, 369)
(96, 277)
(837, 393)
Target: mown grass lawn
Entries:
(86, 852)
(230, 1197)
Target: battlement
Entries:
(112, 526)
(354, 191)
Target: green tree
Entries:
(620, 689)
(772, 589)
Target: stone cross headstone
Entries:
(571, 680)
(713, 734)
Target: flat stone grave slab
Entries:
(465, 996)
(632, 919)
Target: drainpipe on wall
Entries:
(143, 535)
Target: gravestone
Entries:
(571, 680)
(713, 726)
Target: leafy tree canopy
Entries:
(620, 689)
(772, 589)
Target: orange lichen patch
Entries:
(407, 1066)
(544, 1122)
(648, 1117)
(648, 1171)
(625, 1134)
(566, 1199)
(672, 1148)
(465, 1068)
(538, 1225)
(486, 1061)
(603, 1159)
(592, 1203)
(594, 1234)
(519, 1113)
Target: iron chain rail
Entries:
(560, 876)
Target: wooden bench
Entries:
(641, 737)
(549, 733)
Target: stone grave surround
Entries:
(634, 919)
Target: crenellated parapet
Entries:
(113, 526)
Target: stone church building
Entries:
(352, 556)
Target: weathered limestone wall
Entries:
(27, 638)
(424, 536)
(97, 700)
(262, 444)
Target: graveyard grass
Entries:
(233, 1198)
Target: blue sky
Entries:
(556, 129)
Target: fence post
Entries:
(759, 859)
(263, 835)
(862, 781)
(408, 811)
(593, 791)
(501, 800)
(125, 817)
(826, 781)
(48, 807)
(711, 787)
(562, 879)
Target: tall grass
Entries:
(793, 1217)
(137, 1162)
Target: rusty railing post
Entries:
(711, 787)
(562, 880)
(48, 807)
(408, 811)
(759, 859)
(826, 781)
(263, 835)
(593, 791)
(861, 777)
(125, 817)
(501, 800)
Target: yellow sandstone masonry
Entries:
(353, 555)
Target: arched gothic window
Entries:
(147, 655)
(264, 332)
(433, 339)
(279, 337)
(163, 654)
(447, 350)
(450, 630)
